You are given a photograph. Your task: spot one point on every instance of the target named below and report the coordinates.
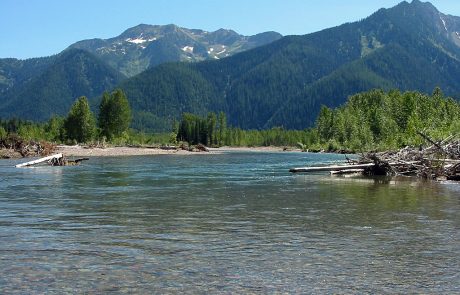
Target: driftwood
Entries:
(41, 160)
(168, 147)
(440, 161)
(53, 160)
(198, 148)
(14, 145)
(66, 162)
(330, 168)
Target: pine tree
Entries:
(103, 119)
(211, 132)
(222, 128)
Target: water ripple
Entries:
(230, 223)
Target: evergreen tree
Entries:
(222, 128)
(114, 114)
(80, 124)
(103, 119)
(211, 129)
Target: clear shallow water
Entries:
(230, 223)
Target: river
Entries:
(236, 222)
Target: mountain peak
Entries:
(144, 46)
(417, 6)
(425, 20)
(427, 6)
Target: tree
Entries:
(80, 124)
(54, 129)
(114, 114)
(3, 132)
(211, 129)
(325, 123)
(103, 120)
(222, 128)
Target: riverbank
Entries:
(83, 151)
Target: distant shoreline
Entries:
(82, 151)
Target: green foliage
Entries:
(193, 129)
(387, 120)
(30, 131)
(55, 130)
(114, 115)
(213, 130)
(222, 128)
(368, 121)
(80, 124)
(51, 89)
(286, 82)
(3, 132)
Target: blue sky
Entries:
(32, 28)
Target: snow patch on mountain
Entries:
(444, 23)
(187, 49)
(220, 52)
(136, 41)
(140, 40)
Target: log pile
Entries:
(14, 146)
(193, 148)
(440, 161)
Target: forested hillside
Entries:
(15, 72)
(408, 47)
(411, 46)
(71, 74)
(89, 67)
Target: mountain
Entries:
(411, 46)
(37, 88)
(53, 90)
(145, 46)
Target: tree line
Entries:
(387, 120)
(80, 125)
(213, 130)
(372, 120)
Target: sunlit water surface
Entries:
(223, 223)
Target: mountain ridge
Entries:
(411, 46)
(144, 46)
(19, 77)
(71, 74)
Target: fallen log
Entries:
(441, 160)
(331, 168)
(344, 167)
(38, 161)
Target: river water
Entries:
(223, 223)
